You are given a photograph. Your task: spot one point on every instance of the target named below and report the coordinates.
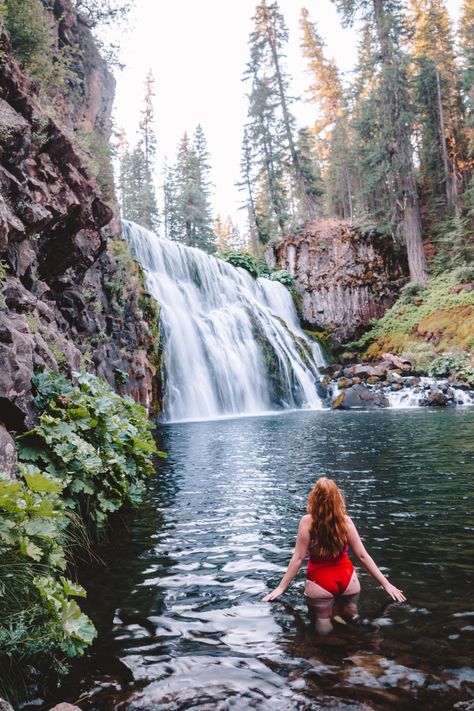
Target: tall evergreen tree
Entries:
(265, 132)
(331, 128)
(247, 185)
(466, 47)
(228, 235)
(439, 104)
(188, 216)
(396, 120)
(137, 166)
(285, 182)
(268, 41)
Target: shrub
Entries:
(98, 443)
(448, 362)
(284, 278)
(97, 154)
(464, 275)
(88, 455)
(244, 260)
(409, 291)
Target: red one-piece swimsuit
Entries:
(332, 574)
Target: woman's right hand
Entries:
(394, 592)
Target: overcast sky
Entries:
(197, 51)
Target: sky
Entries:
(197, 51)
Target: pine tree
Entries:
(137, 189)
(265, 132)
(170, 210)
(466, 45)
(247, 186)
(396, 120)
(331, 128)
(188, 216)
(269, 39)
(466, 37)
(438, 103)
(228, 236)
(374, 186)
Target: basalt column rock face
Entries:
(345, 278)
(71, 297)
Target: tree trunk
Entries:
(401, 157)
(309, 202)
(452, 193)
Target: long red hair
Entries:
(327, 508)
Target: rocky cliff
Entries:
(345, 278)
(71, 296)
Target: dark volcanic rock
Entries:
(359, 397)
(345, 278)
(67, 301)
(435, 398)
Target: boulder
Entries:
(373, 379)
(359, 397)
(65, 707)
(397, 361)
(344, 383)
(435, 398)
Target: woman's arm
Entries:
(358, 549)
(299, 554)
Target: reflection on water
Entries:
(179, 607)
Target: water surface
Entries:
(179, 607)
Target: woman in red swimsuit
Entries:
(326, 533)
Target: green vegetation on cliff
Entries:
(257, 267)
(431, 326)
(34, 45)
(88, 456)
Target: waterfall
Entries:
(232, 344)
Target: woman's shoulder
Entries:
(306, 521)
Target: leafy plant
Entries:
(39, 621)
(409, 292)
(458, 363)
(98, 443)
(464, 275)
(244, 260)
(284, 277)
(258, 267)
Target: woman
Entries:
(327, 532)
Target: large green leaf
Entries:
(41, 483)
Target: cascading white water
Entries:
(232, 344)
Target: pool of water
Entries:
(179, 603)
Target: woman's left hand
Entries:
(394, 592)
(274, 594)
